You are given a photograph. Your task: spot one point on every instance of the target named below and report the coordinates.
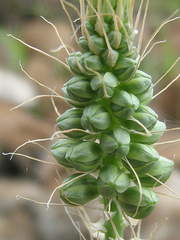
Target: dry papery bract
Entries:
(96, 228)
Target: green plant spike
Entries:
(110, 132)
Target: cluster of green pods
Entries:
(110, 131)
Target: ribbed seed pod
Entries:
(129, 201)
(71, 119)
(79, 191)
(116, 142)
(112, 181)
(95, 118)
(141, 157)
(84, 156)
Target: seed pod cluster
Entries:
(110, 129)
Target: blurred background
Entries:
(23, 219)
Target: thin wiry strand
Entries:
(138, 16)
(139, 184)
(161, 78)
(113, 226)
(168, 20)
(31, 158)
(63, 184)
(163, 184)
(58, 35)
(151, 48)
(167, 142)
(74, 224)
(142, 28)
(164, 89)
(130, 225)
(69, 18)
(131, 10)
(36, 81)
(148, 133)
(40, 51)
(153, 235)
(18, 197)
(55, 107)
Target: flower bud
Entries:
(123, 104)
(146, 97)
(83, 44)
(89, 62)
(139, 84)
(110, 82)
(145, 115)
(59, 150)
(79, 191)
(114, 40)
(73, 60)
(156, 133)
(110, 57)
(129, 202)
(71, 119)
(112, 181)
(141, 157)
(84, 156)
(124, 68)
(161, 170)
(97, 44)
(95, 118)
(79, 88)
(116, 142)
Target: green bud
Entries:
(110, 57)
(110, 82)
(112, 181)
(84, 156)
(116, 142)
(73, 60)
(123, 104)
(95, 118)
(161, 170)
(124, 46)
(139, 84)
(83, 44)
(114, 40)
(141, 157)
(89, 62)
(156, 133)
(146, 97)
(79, 88)
(124, 68)
(97, 44)
(79, 191)
(71, 119)
(59, 150)
(107, 12)
(145, 115)
(129, 201)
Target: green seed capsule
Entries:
(95, 118)
(73, 61)
(161, 170)
(139, 84)
(145, 115)
(109, 80)
(83, 44)
(156, 133)
(124, 68)
(146, 97)
(79, 88)
(129, 201)
(114, 40)
(89, 62)
(141, 157)
(110, 57)
(71, 119)
(79, 191)
(112, 181)
(59, 150)
(116, 142)
(97, 44)
(123, 104)
(84, 156)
